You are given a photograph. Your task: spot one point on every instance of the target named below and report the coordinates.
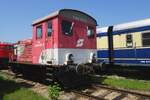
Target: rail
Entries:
(122, 90)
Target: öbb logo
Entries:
(80, 42)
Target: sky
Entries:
(16, 16)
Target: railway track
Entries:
(82, 95)
(123, 91)
(101, 92)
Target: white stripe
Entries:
(128, 25)
(58, 56)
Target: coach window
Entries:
(39, 32)
(67, 27)
(49, 28)
(90, 31)
(129, 41)
(146, 39)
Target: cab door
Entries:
(49, 43)
(38, 42)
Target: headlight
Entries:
(69, 58)
(92, 58)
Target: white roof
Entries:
(67, 13)
(46, 17)
(128, 25)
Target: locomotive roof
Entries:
(135, 26)
(66, 13)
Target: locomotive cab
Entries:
(64, 37)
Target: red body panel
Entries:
(79, 32)
(6, 50)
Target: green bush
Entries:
(53, 91)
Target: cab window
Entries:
(90, 31)
(67, 27)
(39, 32)
(49, 28)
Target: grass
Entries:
(125, 83)
(23, 94)
(10, 90)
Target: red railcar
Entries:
(6, 50)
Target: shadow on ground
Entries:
(8, 86)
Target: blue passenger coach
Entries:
(131, 43)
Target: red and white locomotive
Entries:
(65, 39)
